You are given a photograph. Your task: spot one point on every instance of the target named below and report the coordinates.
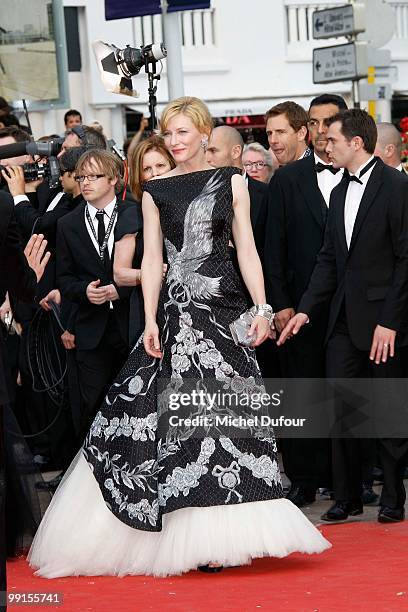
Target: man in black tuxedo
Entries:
(363, 268)
(85, 241)
(225, 147)
(20, 281)
(299, 195)
(389, 145)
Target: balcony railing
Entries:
(197, 29)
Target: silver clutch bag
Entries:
(240, 328)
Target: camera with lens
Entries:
(48, 170)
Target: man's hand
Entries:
(292, 328)
(95, 294)
(35, 254)
(68, 340)
(53, 296)
(111, 293)
(282, 318)
(15, 180)
(383, 345)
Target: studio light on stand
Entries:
(118, 66)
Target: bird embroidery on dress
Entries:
(197, 246)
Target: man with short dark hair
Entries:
(286, 128)
(83, 136)
(72, 118)
(11, 135)
(299, 195)
(362, 269)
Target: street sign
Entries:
(389, 74)
(375, 91)
(340, 63)
(339, 21)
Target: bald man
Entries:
(225, 148)
(389, 145)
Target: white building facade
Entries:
(241, 57)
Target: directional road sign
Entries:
(340, 63)
(339, 21)
(375, 91)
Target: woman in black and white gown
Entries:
(143, 499)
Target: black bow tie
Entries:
(320, 167)
(362, 172)
(355, 179)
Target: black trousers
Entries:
(97, 369)
(350, 456)
(307, 461)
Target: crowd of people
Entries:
(145, 276)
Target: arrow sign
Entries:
(318, 24)
(340, 62)
(339, 21)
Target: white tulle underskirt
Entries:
(79, 535)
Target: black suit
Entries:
(294, 235)
(368, 286)
(17, 278)
(101, 333)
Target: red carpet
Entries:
(367, 569)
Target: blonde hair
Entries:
(154, 143)
(106, 162)
(192, 107)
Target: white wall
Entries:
(253, 64)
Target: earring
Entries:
(204, 143)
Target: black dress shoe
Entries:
(370, 497)
(300, 496)
(211, 569)
(341, 510)
(391, 515)
(378, 474)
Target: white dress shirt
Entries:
(400, 168)
(326, 180)
(355, 192)
(108, 210)
(23, 198)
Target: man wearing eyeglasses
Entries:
(85, 242)
(299, 195)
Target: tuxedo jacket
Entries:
(294, 232)
(371, 277)
(78, 263)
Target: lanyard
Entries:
(104, 244)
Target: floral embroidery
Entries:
(228, 478)
(261, 467)
(183, 479)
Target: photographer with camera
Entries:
(9, 136)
